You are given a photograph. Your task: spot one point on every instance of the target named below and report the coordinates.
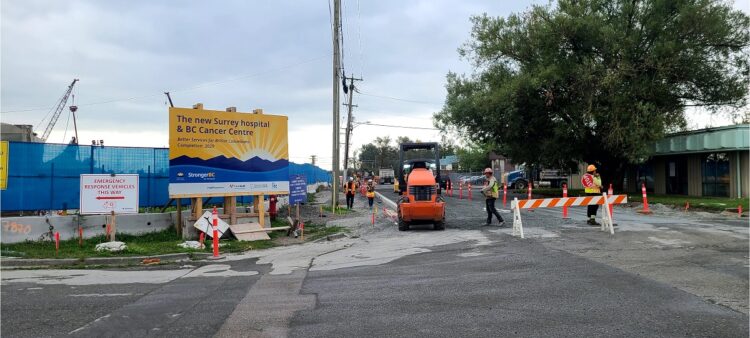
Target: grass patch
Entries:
(704, 203)
(339, 210)
(150, 244)
(317, 231)
(310, 197)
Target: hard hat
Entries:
(370, 180)
(351, 178)
(591, 168)
(488, 171)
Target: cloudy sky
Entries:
(274, 55)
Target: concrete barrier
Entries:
(19, 229)
(33, 228)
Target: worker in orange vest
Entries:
(592, 185)
(370, 193)
(350, 188)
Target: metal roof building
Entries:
(705, 162)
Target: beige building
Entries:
(18, 133)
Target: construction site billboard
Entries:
(218, 153)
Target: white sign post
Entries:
(109, 194)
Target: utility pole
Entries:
(349, 122)
(336, 84)
(313, 158)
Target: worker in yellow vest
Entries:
(592, 185)
(491, 192)
(350, 188)
(370, 193)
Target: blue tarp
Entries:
(44, 176)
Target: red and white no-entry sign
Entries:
(104, 194)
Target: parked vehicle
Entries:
(386, 176)
(519, 179)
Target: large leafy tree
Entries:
(382, 152)
(596, 81)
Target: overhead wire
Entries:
(398, 98)
(394, 126)
(359, 41)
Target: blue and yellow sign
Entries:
(3, 165)
(218, 153)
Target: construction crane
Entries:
(58, 110)
(73, 108)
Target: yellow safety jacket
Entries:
(492, 188)
(591, 184)
(370, 191)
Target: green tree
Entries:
(596, 81)
(368, 156)
(474, 157)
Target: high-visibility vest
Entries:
(351, 188)
(591, 183)
(370, 192)
(493, 192)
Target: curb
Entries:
(386, 200)
(331, 237)
(30, 262)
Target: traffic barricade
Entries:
(604, 200)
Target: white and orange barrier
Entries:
(605, 200)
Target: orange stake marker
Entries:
(57, 242)
(611, 192)
(645, 200)
(565, 194)
(505, 193)
(216, 233)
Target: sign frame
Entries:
(88, 198)
(227, 153)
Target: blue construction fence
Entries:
(45, 176)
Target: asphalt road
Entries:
(668, 275)
(513, 288)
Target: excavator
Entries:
(420, 200)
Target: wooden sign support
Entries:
(113, 228)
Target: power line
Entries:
(359, 38)
(202, 85)
(392, 126)
(399, 99)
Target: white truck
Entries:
(386, 176)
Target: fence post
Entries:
(148, 187)
(51, 186)
(91, 160)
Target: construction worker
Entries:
(490, 192)
(592, 185)
(350, 189)
(370, 193)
